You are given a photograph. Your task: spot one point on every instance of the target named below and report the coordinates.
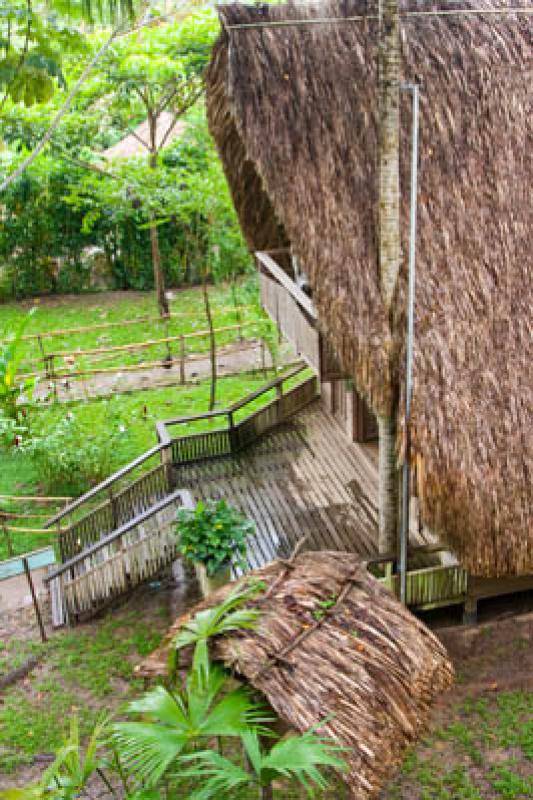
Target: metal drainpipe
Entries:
(406, 468)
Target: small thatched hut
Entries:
(293, 110)
(137, 142)
(366, 663)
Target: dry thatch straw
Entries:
(132, 144)
(293, 111)
(368, 663)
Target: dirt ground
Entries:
(233, 359)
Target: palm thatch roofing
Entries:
(367, 666)
(137, 143)
(293, 110)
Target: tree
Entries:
(34, 39)
(389, 253)
(161, 70)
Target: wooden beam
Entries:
(294, 290)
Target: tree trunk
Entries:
(159, 280)
(267, 792)
(212, 344)
(389, 138)
(388, 486)
(389, 250)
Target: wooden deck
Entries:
(302, 478)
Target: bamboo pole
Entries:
(21, 498)
(34, 598)
(107, 325)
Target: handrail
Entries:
(105, 484)
(161, 425)
(187, 502)
(267, 387)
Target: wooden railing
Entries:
(119, 498)
(429, 587)
(235, 434)
(117, 563)
(118, 509)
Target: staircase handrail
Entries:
(105, 484)
(165, 438)
(182, 494)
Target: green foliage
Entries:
(173, 721)
(295, 757)
(72, 455)
(10, 357)
(213, 534)
(227, 616)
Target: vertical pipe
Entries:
(406, 469)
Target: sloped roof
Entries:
(293, 110)
(132, 144)
(368, 665)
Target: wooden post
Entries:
(114, 514)
(41, 348)
(60, 542)
(279, 398)
(9, 543)
(263, 360)
(182, 359)
(52, 374)
(34, 599)
(232, 443)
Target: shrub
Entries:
(213, 534)
(71, 455)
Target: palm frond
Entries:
(218, 775)
(147, 750)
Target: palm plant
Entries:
(175, 721)
(296, 757)
(227, 616)
(10, 358)
(67, 777)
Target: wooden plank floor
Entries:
(303, 478)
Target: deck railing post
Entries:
(114, 509)
(232, 436)
(182, 360)
(9, 543)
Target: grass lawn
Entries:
(76, 311)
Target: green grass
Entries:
(86, 671)
(60, 313)
(486, 751)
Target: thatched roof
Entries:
(293, 111)
(132, 144)
(369, 665)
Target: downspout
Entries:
(406, 467)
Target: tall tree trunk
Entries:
(212, 344)
(389, 249)
(389, 144)
(388, 486)
(159, 280)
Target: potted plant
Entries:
(213, 536)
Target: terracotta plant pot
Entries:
(210, 583)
